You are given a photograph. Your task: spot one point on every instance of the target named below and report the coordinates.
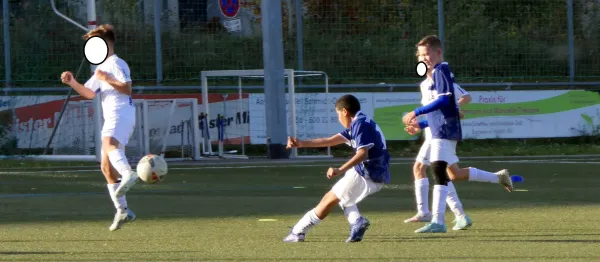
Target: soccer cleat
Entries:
(358, 229)
(462, 223)
(122, 217)
(419, 218)
(432, 228)
(127, 182)
(294, 237)
(505, 180)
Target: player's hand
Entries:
(67, 77)
(332, 172)
(292, 142)
(412, 130)
(101, 75)
(408, 118)
(461, 114)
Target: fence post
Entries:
(441, 21)
(299, 33)
(571, 41)
(7, 66)
(157, 40)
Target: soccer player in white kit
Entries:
(443, 120)
(112, 81)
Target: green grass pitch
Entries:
(213, 212)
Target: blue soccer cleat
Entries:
(432, 228)
(358, 229)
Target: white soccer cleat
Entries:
(121, 217)
(127, 182)
(505, 180)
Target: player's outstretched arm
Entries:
(122, 87)
(318, 142)
(68, 78)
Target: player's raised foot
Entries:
(432, 228)
(291, 238)
(121, 217)
(127, 182)
(505, 180)
(462, 222)
(419, 218)
(358, 229)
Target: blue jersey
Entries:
(364, 132)
(443, 118)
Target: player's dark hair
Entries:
(348, 102)
(106, 32)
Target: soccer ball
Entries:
(152, 169)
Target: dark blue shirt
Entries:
(364, 132)
(443, 117)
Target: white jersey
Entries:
(459, 92)
(115, 105)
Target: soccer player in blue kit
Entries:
(364, 174)
(443, 119)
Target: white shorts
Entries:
(353, 188)
(443, 150)
(423, 156)
(120, 129)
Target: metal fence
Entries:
(357, 42)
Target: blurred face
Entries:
(431, 56)
(344, 118)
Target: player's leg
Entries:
(421, 189)
(442, 152)
(501, 177)
(461, 219)
(354, 190)
(115, 136)
(312, 218)
(123, 214)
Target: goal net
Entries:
(234, 118)
(167, 127)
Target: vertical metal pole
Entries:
(91, 24)
(157, 41)
(299, 34)
(441, 22)
(7, 66)
(571, 41)
(272, 36)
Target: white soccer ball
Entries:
(152, 169)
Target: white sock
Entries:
(309, 220)
(440, 193)
(120, 203)
(482, 176)
(352, 214)
(119, 161)
(422, 195)
(454, 202)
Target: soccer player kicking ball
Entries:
(443, 120)
(113, 82)
(364, 174)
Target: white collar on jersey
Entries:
(357, 114)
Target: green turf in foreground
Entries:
(213, 214)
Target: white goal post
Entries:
(166, 127)
(301, 119)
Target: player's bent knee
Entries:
(440, 174)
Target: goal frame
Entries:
(144, 132)
(291, 75)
